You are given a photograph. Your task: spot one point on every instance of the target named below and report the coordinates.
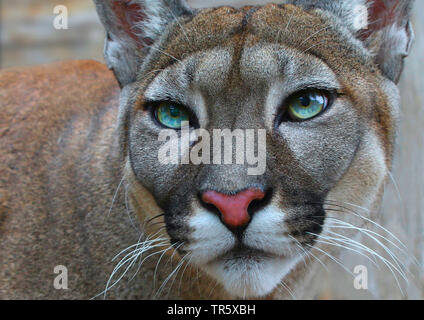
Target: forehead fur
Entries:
(313, 32)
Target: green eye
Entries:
(307, 105)
(171, 115)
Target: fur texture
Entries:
(233, 68)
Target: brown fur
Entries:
(46, 130)
(62, 153)
(60, 168)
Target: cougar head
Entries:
(307, 88)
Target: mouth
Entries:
(243, 252)
(249, 273)
(247, 266)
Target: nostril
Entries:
(258, 204)
(233, 208)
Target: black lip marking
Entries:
(307, 227)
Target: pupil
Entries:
(174, 111)
(305, 101)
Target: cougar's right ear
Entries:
(383, 26)
(132, 26)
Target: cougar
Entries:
(90, 209)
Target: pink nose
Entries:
(233, 208)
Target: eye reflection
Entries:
(171, 115)
(307, 105)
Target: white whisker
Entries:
(285, 286)
(402, 207)
(389, 265)
(369, 234)
(157, 264)
(372, 222)
(169, 276)
(115, 195)
(332, 258)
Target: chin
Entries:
(250, 276)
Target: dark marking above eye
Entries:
(249, 13)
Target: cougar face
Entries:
(244, 69)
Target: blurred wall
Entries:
(29, 37)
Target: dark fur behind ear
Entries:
(389, 34)
(131, 27)
(383, 26)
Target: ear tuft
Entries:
(131, 27)
(383, 26)
(159, 14)
(389, 34)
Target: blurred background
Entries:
(27, 37)
(27, 34)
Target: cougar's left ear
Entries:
(132, 26)
(389, 34)
(383, 26)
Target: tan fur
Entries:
(59, 173)
(66, 177)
